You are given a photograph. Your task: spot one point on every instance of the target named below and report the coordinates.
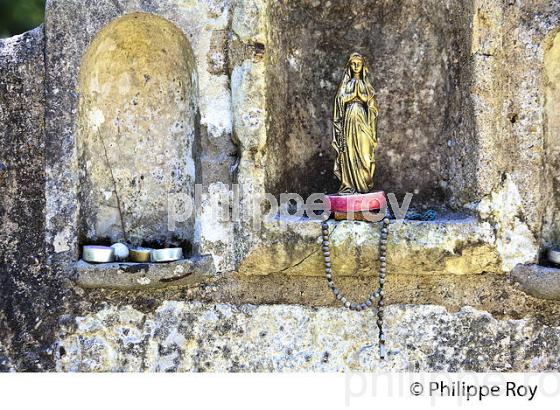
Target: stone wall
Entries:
(30, 297)
(551, 85)
(467, 95)
(180, 336)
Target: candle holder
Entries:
(98, 254)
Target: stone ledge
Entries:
(130, 276)
(444, 246)
(538, 281)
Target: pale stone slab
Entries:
(292, 246)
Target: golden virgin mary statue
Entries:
(355, 135)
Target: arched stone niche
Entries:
(551, 89)
(136, 132)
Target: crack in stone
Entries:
(175, 278)
(114, 188)
(304, 259)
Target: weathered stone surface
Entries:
(503, 209)
(181, 336)
(551, 79)
(293, 247)
(5, 362)
(249, 48)
(128, 276)
(524, 147)
(30, 296)
(486, 93)
(538, 281)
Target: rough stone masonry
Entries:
(138, 99)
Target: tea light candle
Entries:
(167, 255)
(554, 256)
(98, 254)
(140, 255)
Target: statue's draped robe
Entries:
(355, 137)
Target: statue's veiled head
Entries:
(356, 63)
(356, 67)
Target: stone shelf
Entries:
(445, 246)
(129, 276)
(538, 281)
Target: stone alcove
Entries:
(551, 90)
(418, 53)
(136, 132)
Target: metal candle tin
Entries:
(554, 255)
(98, 254)
(167, 255)
(141, 255)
